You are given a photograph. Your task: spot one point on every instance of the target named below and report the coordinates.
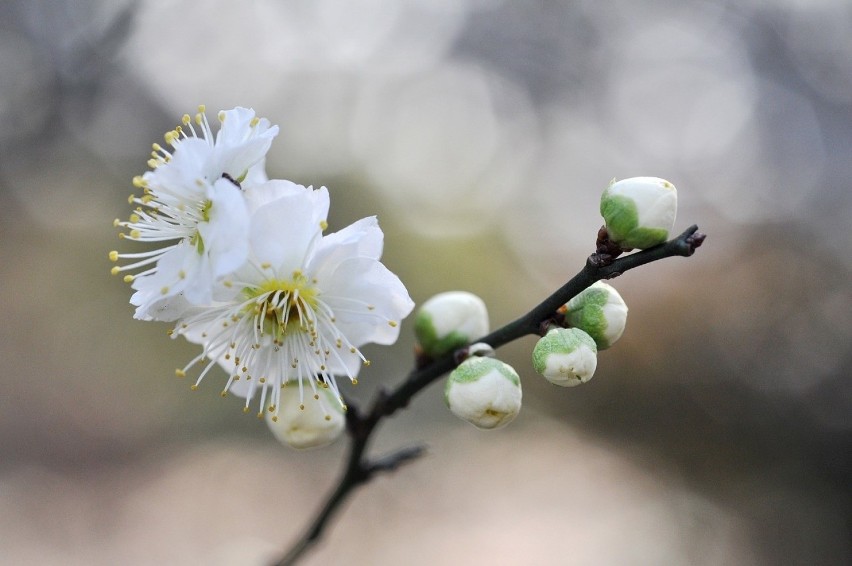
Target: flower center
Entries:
(282, 306)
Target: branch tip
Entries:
(393, 461)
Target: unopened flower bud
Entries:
(600, 312)
(639, 212)
(484, 391)
(307, 423)
(449, 321)
(566, 356)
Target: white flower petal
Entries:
(225, 235)
(283, 231)
(368, 301)
(364, 238)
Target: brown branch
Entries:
(360, 469)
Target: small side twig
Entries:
(603, 264)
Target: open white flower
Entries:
(193, 200)
(302, 305)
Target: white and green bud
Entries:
(600, 312)
(484, 391)
(449, 321)
(566, 356)
(639, 212)
(315, 421)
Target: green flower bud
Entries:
(483, 391)
(449, 321)
(315, 421)
(600, 312)
(566, 356)
(639, 212)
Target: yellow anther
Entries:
(152, 163)
(245, 409)
(164, 290)
(131, 199)
(354, 381)
(221, 115)
(328, 417)
(265, 265)
(180, 373)
(134, 218)
(260, 415)
(392, 323)
(115, 270)
(116, 223)
(113, 255)
(193, 387)
(139, 182)
(301, 407)
(254, 121)
(185, 119)
(129, 278)
(223, 394)
(323, 224)
(275, 419)
(202, 108)
(182, 274)
(156, 147)
(367, 363)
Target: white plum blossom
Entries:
(484, 391)
(639, 212)
(301, 306)
(193, 206)
(315, 423)
(450, 320)
(566, 357)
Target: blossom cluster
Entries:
(243, 266)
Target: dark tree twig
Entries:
(603, 264)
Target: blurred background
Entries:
(481, 132)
